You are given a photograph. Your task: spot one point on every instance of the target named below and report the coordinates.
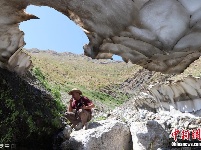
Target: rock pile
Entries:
(106, 134)
(130, 128)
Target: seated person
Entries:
(79, 110)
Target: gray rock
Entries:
(103, 135)
(186, 124)
(148, 135)
(67, 131)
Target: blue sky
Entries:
(53, 31)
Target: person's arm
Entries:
(70, 109)
(89, 103)
(90, 106)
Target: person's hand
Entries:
(84, 107)
(71, 100)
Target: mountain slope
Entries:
(65, 71)
(104, 81)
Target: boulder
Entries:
(67, 131)
(103, 135)
(148, 135)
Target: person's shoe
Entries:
(79, 126)
(86, 126)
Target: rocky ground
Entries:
(140, 129)
(146, 128)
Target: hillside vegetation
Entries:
(65, 71)
(100, 80)
(29, 115)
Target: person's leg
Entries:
(89, 117)
(72, 118)
(87, 123)
(85, 116)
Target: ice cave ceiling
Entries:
(160, 35)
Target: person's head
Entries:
(76, 93)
